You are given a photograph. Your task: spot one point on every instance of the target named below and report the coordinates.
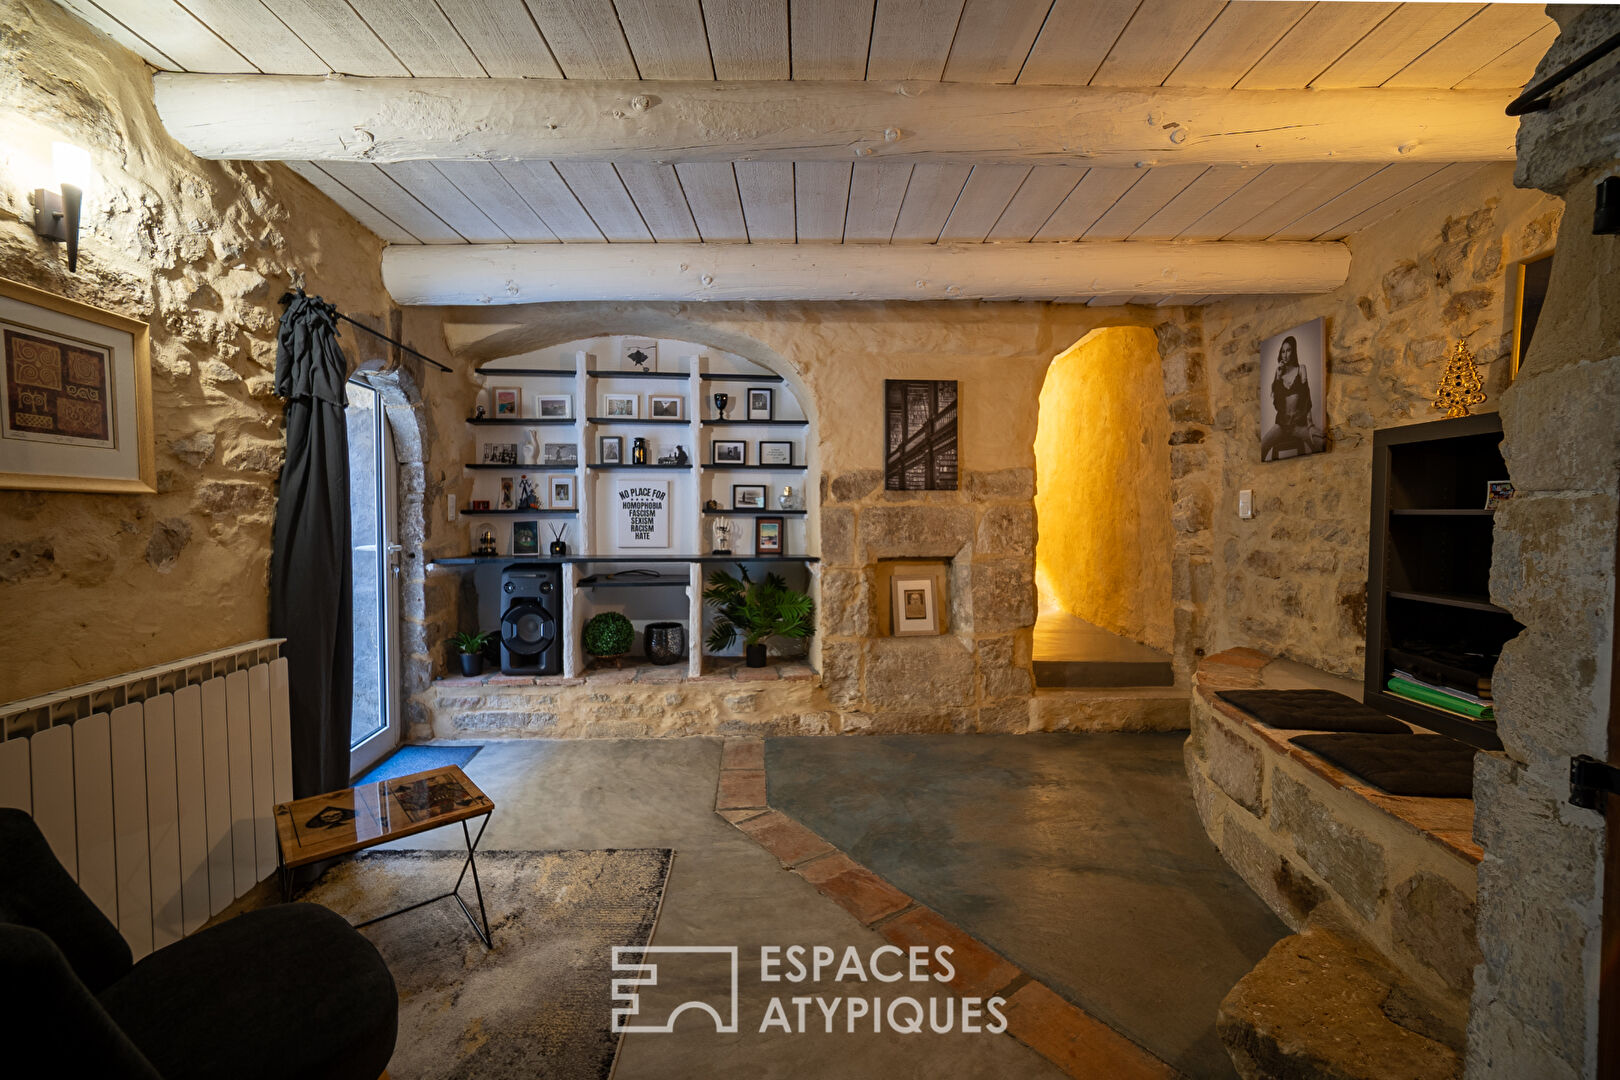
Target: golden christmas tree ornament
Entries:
(1460, 384)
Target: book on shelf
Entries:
(1407, 676)
(1439, 699)
(1446, 669)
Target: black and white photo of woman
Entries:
(1292, 394)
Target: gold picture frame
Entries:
(122, 460)
(1530, 279)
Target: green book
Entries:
(1440, 700)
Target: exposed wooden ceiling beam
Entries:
(534, 273)
(302, 118)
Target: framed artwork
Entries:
(476, 505)
(610, 449)
(919, 450)
(508, 401)
(641, 356)
(563, 492)
(664, 406)
(761, 401)
(772, 452)
(1497, 493)
(77, 386)
(508, 499)
(555, 407)
(621, 406)
(499, 453)
(1293, 410)
(561, 453)
(1532, 278)
(728, 452)
(768, 536)
(525, 538)
(913, 606)
(748, 496)
(641, 513)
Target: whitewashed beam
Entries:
(533, 273)
(301, 118)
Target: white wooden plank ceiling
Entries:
(1135, 43)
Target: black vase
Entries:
(754, 655)
(472, 664)
(665, 642)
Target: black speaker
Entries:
(531, 620)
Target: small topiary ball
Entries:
(609, 634)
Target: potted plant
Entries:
(757, 610)
(608, 635)
(471, 647)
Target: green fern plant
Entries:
(756, 610)
(471, 644)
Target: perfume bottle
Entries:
(638, 451)
(790, 500)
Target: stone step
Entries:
(1112, 708)
(1052, 674)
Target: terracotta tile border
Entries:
(1037, 1016)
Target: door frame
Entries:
(366, 753)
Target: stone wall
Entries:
(94, 585)
(1292, 579)
(1536, 995)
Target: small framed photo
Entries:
(561, 453)
(748, 496)
(761, 403)
(525, 538)
(508, 499)
(640, 355)
(564, 492)
(555, 407)
(728, 452)
(499, 453)
(913, 606)
(476, 505)
(664, 406)
(1497, 493)
(610, 449)
(621, 406)
(768, 536)
(775, 453)
(508, 401)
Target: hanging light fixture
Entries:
(56, 213)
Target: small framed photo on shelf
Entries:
(610, 449)
(913, 606)
(664, 406)
(555, 407)
(640, 355)
(768, 536)
(761, 403)
(508, 402)
(476, 505)
(1497, 493)
(508, 499)
(561, 453)
(728, 452)
(775, 453)
(748, 496)
(525, 538)
(563, 492)
(499, 453)
(621, 406)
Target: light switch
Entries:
(450, 502)
(1246, 503)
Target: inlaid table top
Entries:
(324, 826)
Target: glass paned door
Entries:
(374, 726)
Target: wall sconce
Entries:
(56, 213)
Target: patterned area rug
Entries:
(538, 1003)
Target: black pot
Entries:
(472, 664)
(755, 655)
(665, 642)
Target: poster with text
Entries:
(641, 512)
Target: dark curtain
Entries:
(310, 572)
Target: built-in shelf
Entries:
(731, 376)
(545, 512)
(1426, 512)
(759, 468)
(763, 423)
(1471, 603)
(471, 560)
(520, 468)
(600, 374)
(547, 373)
(597, 582)
(638, 468)
(753, 513)
(634, 420)
(517, 421)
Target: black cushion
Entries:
(36, 891)
(1312, 710)
(1410, 764)
(290, 990)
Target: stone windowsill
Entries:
(717, 671)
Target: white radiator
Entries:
(156, 788)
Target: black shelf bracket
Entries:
(1589, 780)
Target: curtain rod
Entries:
(287, 298)
(1535, 98)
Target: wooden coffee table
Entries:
(340, 822)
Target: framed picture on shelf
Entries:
(525, 538)
(664, 406)
(499, 453)
(564, 493)
(640, 355)
(508, 401)
(772, 452)
(761, 403)
(476, 505)
(728, 452)
(913, 606)
(561, 453)
(610, 449)
(768, 536)
(555, 407)
(76, 385)
(508, 499)
(748, 496)
(621, 406)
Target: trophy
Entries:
(720, 403)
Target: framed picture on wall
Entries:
(563, 493)
(761, 402)
(555, 407)
(913, 606)
(728, 452)
(748, 496)
(640, 356)
(664, 406)
(610, 449)
(561, 453)
(768, 536)
(772, 452)
(525, 537)
(508, 402)
(621, 406)
(1293, 392)
(499, 453)
(919, 434)
(77, 391)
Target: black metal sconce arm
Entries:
(1535, 99)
